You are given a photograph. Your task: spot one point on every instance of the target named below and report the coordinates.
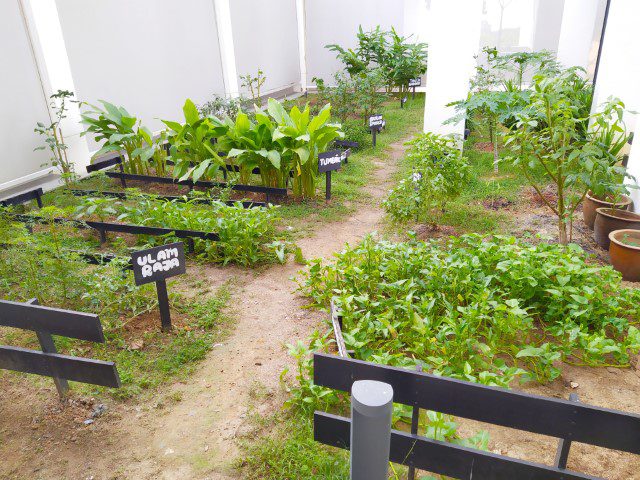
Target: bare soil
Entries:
(190, 429)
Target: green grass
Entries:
(467, 213)
(348, 182)
(289, 452)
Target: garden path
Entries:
(191, 430)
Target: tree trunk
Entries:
(562, 232)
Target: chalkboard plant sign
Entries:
(156, 265)
(330, 161)
(376, 124)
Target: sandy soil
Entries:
(190, 430)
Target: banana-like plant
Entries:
(251, 145)
(192, 145)
(300, 139)
(121, 131)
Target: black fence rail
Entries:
(45, 322)
(24, 198)
(104, 227)
(268, 191)
(170, 198)
(123, 177)
(567, 420)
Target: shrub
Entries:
(439, 174)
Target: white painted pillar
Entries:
(578, 32)
(302, 42)
(619, 73)
(453, 33)
(227, 51)
(45, 31)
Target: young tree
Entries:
(549, 138)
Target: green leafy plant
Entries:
(222, 107)
(253, 84)
(120, 131)
(550, 136)
(53, 137)
(486, 310)
(301, 137)
(246, 235)
(398, 59)
(440, 172)
(192, 145)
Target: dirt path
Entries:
(190, 431)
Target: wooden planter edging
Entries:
(170, 198)
(46, 321)
(104, 227)
(24, 197)
(566, 420)
(200, 183)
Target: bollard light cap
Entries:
(370, 397)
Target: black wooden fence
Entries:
(46, 321)
(566, 420)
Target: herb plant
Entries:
(483, 310)
(53, 137)
(440, 172)
(253, 84)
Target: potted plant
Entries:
(624, 251)
(607, 189)
(610, 219)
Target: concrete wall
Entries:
(265, 37)
(147, 55)
(22, 99)
(337, 21)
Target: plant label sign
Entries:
(158, 263)
(376, 122)
(346, 143)
(415, 82)
(330, 160)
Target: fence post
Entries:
(371, 410)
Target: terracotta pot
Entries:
(610, 219)
(590, 204)
(625, 258)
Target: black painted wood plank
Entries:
(24, 197)
(76, 369)
(56, 321)
(573, 421)
(199, 183)
(443, 458)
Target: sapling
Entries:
(254, 84)
(54, 139)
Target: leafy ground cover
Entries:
(43, 266)
(247, 236)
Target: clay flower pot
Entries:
(610, 219)
(590, 204)
(625, 258)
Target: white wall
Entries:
(619, 72)
(336, 21)
(22, 99)
(453, 41)
(145, 55)
(265, 37)
(579, 33)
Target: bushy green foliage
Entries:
(398, 59)
(121, 131)
(280, 143)
(247, 235)
(46, 267)
(552, 134)
(479, 309)
(353, 96)
(440, 172)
